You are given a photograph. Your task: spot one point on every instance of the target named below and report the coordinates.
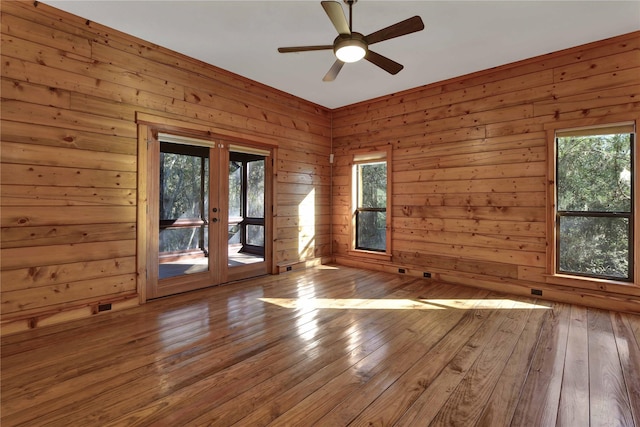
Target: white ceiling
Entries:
(460, 37)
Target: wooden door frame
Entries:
(148, 125)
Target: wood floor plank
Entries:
(181, 324)
(362, 373)
(634, 321)
(395, 400)
(437, 391)
(574, 400)
(132, 355)
(471, 395)
(629, 354)
(318, 367)
(330, 332)
(368, 393)
(503, 400)
(268, 413)
(175, 362)
(608, 394)
(540, 397)
(329, 346)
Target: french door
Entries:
(209, 210)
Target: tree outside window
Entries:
(594, 192)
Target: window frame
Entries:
(553, 273)
(359, 157)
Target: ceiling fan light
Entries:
(350, 53)
(351, 49)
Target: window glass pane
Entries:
(371, 231)
(181, 186)
(594, 173)
(235, 189)
(255, 189)
(372, 179)
(255, 235)
(597, 246)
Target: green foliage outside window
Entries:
(594, 205)
(183, 183)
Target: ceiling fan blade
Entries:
(402, 28)
(336, 14)
(391, 67)
(333, 71)
(304, 48)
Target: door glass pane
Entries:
(235, 189)
(246, 237)
(184, 194)
(255, 189)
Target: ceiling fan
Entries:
(351, 46)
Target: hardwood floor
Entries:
(330, 346)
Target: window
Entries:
(371, 212)
(594, 202)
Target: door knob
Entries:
(215, 209)
(214, 220)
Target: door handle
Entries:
(214, 220)
(215, 209)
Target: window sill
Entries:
(378, 256)
(604, 285)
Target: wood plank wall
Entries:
(470, 163)
(70, 93)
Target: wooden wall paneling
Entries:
(473, 225)
(586, 101)
(454, 102)
(52, 234)
(32, 195)
(46, 36)
(589, 51)
(65, 157)
(534, 199)
(46, 296)
(37, 94)
(256, 93)
(470, 160)
(72, 90)
(34, 133)
(48, 275)
(64, 177)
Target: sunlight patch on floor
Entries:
(401, 304)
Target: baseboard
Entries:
(572, 295)
(10, 325)
(301, 265)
